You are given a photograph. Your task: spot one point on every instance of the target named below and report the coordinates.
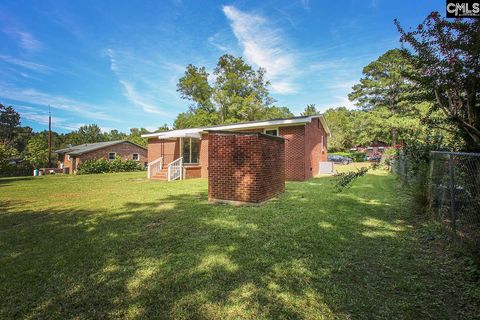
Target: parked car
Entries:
(339, 159)
(374, 158)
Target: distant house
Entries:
(374, 149)
(71, 157)
(186, 150)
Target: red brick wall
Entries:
(315, 147)
(192, 172)
(294, 152)
(170, 149)
(204, 156)
(245, 167)
(123, 150)
(66, 163)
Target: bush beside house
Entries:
(8, 169)
(104, 166)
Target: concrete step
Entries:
(159, 177)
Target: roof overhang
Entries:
(196, 132)
(193, 133)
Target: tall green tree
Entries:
(194, 86)
(7, 152)
(275, 112)
(385, 85)
(115, 135)
(90, 134)
(238, 93)
(9, 123)
(163, 128)
(36, 151)
(22, 135)
(342, 123)
(135, 136)
(310, 110)
(446, 54)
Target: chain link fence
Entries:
(451, 183)
(454, 193)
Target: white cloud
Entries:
(33, 96)
(305, 4)
(342, 84)
(145, 82)
(25, 64)
(283, 87)
(343, 101)
(41, 117)
(213, 40)
(107, 129)
(263, 46)
(25, 40)
(135, 98)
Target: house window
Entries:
(68, 157)
(190, 150)
(272, 132)
(112, 155)
(136, 156)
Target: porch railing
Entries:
(155, 167)
(175, 170)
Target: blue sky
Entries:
(116, 63)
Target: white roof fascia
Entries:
(268, 123)
(262, 124)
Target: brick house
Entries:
(183, 154)
(373, 150)
(72, 157)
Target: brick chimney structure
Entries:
(245, 167)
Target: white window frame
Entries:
(182, 141)
(271, 129)
(138, 156)
(115, 155)
(68, 158)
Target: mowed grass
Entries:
(120, 246)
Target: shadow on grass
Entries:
(309, 254)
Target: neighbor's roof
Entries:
(88, 147)
(196, 132)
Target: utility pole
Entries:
(49, 138)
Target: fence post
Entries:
(452, 193)
(405, 169)
(429, 184)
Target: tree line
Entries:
(426, 92)
(18, 141)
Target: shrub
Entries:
(13, 170)
(412, 164)
(104, 166)
(387, 157)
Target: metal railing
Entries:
(154, 167)
(175, 170)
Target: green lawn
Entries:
(119, 246)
